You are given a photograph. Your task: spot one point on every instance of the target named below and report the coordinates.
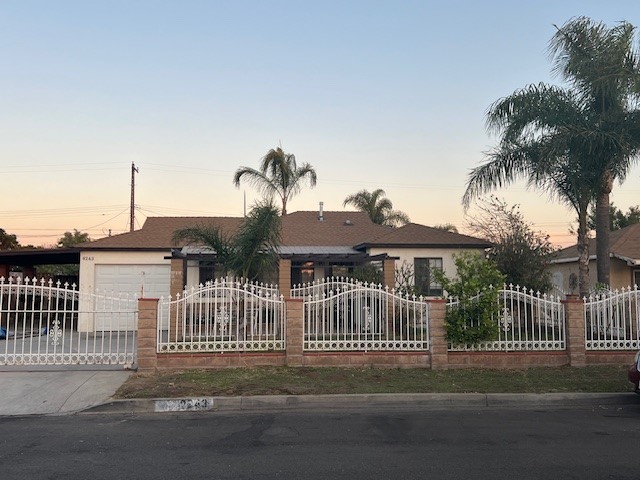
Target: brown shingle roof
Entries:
(623, 243)
(298, 229)
(157, 232)
(414, 234)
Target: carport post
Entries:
(146, 340)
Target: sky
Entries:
(373, 94)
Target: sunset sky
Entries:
(374, 94)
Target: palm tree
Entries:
(538, 144)
(603, 66)
(279, 175)
(379, 209)
(252, 252)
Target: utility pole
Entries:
(132, 210)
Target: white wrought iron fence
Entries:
(365, 318)
(324, 286)
(47, 323)
(612, 320)
(528, 321)
(222, 316)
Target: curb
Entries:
(298, 402)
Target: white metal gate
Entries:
(46, 323)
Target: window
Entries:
(636, 277)
(426, 284)
(302, 273)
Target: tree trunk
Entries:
(583, 253)
(602, 230)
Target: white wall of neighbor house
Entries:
(144, 274)
(409, 254)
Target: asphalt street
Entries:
(593, 442)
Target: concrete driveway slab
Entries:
(56, 392)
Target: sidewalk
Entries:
(58, 391)
(63, 392)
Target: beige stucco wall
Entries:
(408, 254)
(621, 274)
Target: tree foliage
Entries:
(279, 174)
(70, 239)
(377, 207)
(252, 252)
(572, 142)
(518, 251)
(617, 218)
(8, 241)
(602, 64)
(473, 319)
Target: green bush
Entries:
(473, 319)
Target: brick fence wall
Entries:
(437, 358)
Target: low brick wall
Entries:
(219, 360)
(507, 359)
(367, 359)
(438, 358)
(610, 358)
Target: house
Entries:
(624, 247)
(314, 245)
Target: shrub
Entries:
(473, 319)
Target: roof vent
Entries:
(321, 213)
(348, 222)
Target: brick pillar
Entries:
(284, 277)
(389, 273)
(295, 332)
(574, 318)
(439, 344)
(146, 346)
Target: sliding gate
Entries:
(47, 323)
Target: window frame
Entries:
(433, 288)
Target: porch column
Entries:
(438, 342)
(389, 273)
(574, 318)
(284, 277)
(176, 288)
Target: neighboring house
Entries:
(625, 262)
(314, 245)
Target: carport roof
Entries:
(40, 256)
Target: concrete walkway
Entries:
(56, 392)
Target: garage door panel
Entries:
(151, 281)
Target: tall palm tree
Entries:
(252, 252)
(603, 66)
(279, 174)
(379, 208)
(538, 143)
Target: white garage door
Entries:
(149, 281)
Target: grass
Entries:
(317, 381)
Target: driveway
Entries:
(56, 392)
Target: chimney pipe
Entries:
(321, 214)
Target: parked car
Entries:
(634, 373)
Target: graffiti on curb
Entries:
(184, 405)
